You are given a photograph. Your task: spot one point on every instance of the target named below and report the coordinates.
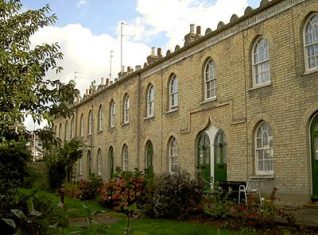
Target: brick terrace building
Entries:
(235, 103)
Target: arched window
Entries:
(126, 109)
(111, 161)
(99, 162)
(89, 163)
(100, 118)
(125, 158)
(82, 125)
(149, 154)
(112, 114)
(260, 59)
(311, 42)
(66, 131)
(173, 92)
(72, 128)
(264, 150)
(60, 130)
(173, 155)
(81, 166)
(90, 122)
(150, 101)
(209, 80)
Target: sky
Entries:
(88, 30)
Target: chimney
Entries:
(199, 30)
(192, 36)
(102, 81)
(159, 53)
(152, 58)
(87, 91)
(107, 82)
(137, 67)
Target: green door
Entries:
(204, 168)
(314, 154)
(220, 151)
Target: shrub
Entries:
(88, 189)
(177, 196)
(124, 190)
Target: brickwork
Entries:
(287, 103)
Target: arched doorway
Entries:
(212, 148)
(204, 156)
(220, 157)
(314, 156)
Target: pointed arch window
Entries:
(209, 80)
(66, 131)
(100, 118)
(173, 92)
(125, 157)
(90, 122)
(311, 42)
(81, 166)
(261, 67)
(89, 163)
(60, 130)
(72, 128)
(264, 150)
(150, 101)
(126, 109)
(111, 161)
(173, 155)
(112, 114)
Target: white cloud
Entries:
(173, 17)
(81, 3)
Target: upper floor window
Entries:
(209, 80)
(260, 59)
(125, 158)
(311, 42)
(99, 162)
(173, 155)
(150, 101)
(100, 118)
(90, 122)
(173, 92)
(81, 125)
(126, 109)
(264, 150)
(112, 114)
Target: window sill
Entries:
(262, 176)
(209, 100)
(99, 131)
(308, 72)
(111, 128)
(126, 124)
(260, 86)
(172, 110)
(149, 117)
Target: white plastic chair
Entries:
(251, 188)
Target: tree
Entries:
(25, 88)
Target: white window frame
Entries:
(90, 122)
(100, 118)
(112, 114)
(311, 21)
(173, 93)
(261, 63)
(126, 109)
(150, 101)
(264, 147)
(125, 158)
(82, 125)
(209, 80)
(173, 155)
(99, 162)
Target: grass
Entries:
(142, 226)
